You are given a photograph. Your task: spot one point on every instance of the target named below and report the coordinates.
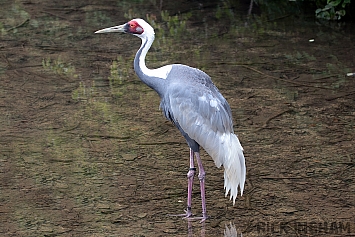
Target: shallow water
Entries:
(85, 150)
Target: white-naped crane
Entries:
(193, 103)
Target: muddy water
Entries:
(85, 150)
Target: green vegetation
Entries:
(59, 67)
(173, 29)
(332, 10)
(14, 16)
(119, 71)
(324, 9)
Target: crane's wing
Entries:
(205, 116)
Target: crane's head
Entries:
(137, 27)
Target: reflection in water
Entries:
(228, 232)
(190, 232)
(232, 232)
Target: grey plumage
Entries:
(186, 101)
(203, 116)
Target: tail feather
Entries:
(229, 152)
(234, 167)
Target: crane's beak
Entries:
(120, 28)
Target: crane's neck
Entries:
(154, 78)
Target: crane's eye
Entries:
(134, 28)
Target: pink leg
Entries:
(201, 177)
(190, 181)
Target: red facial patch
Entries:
(135, 28)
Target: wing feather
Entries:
(205, 116)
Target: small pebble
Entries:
(142, 215)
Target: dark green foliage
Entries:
(332, 9)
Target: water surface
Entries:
(85, 150)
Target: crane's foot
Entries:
(189, 216)
(201, 218)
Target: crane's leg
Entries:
(201, 177)
(190, 181)
(190, 178)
